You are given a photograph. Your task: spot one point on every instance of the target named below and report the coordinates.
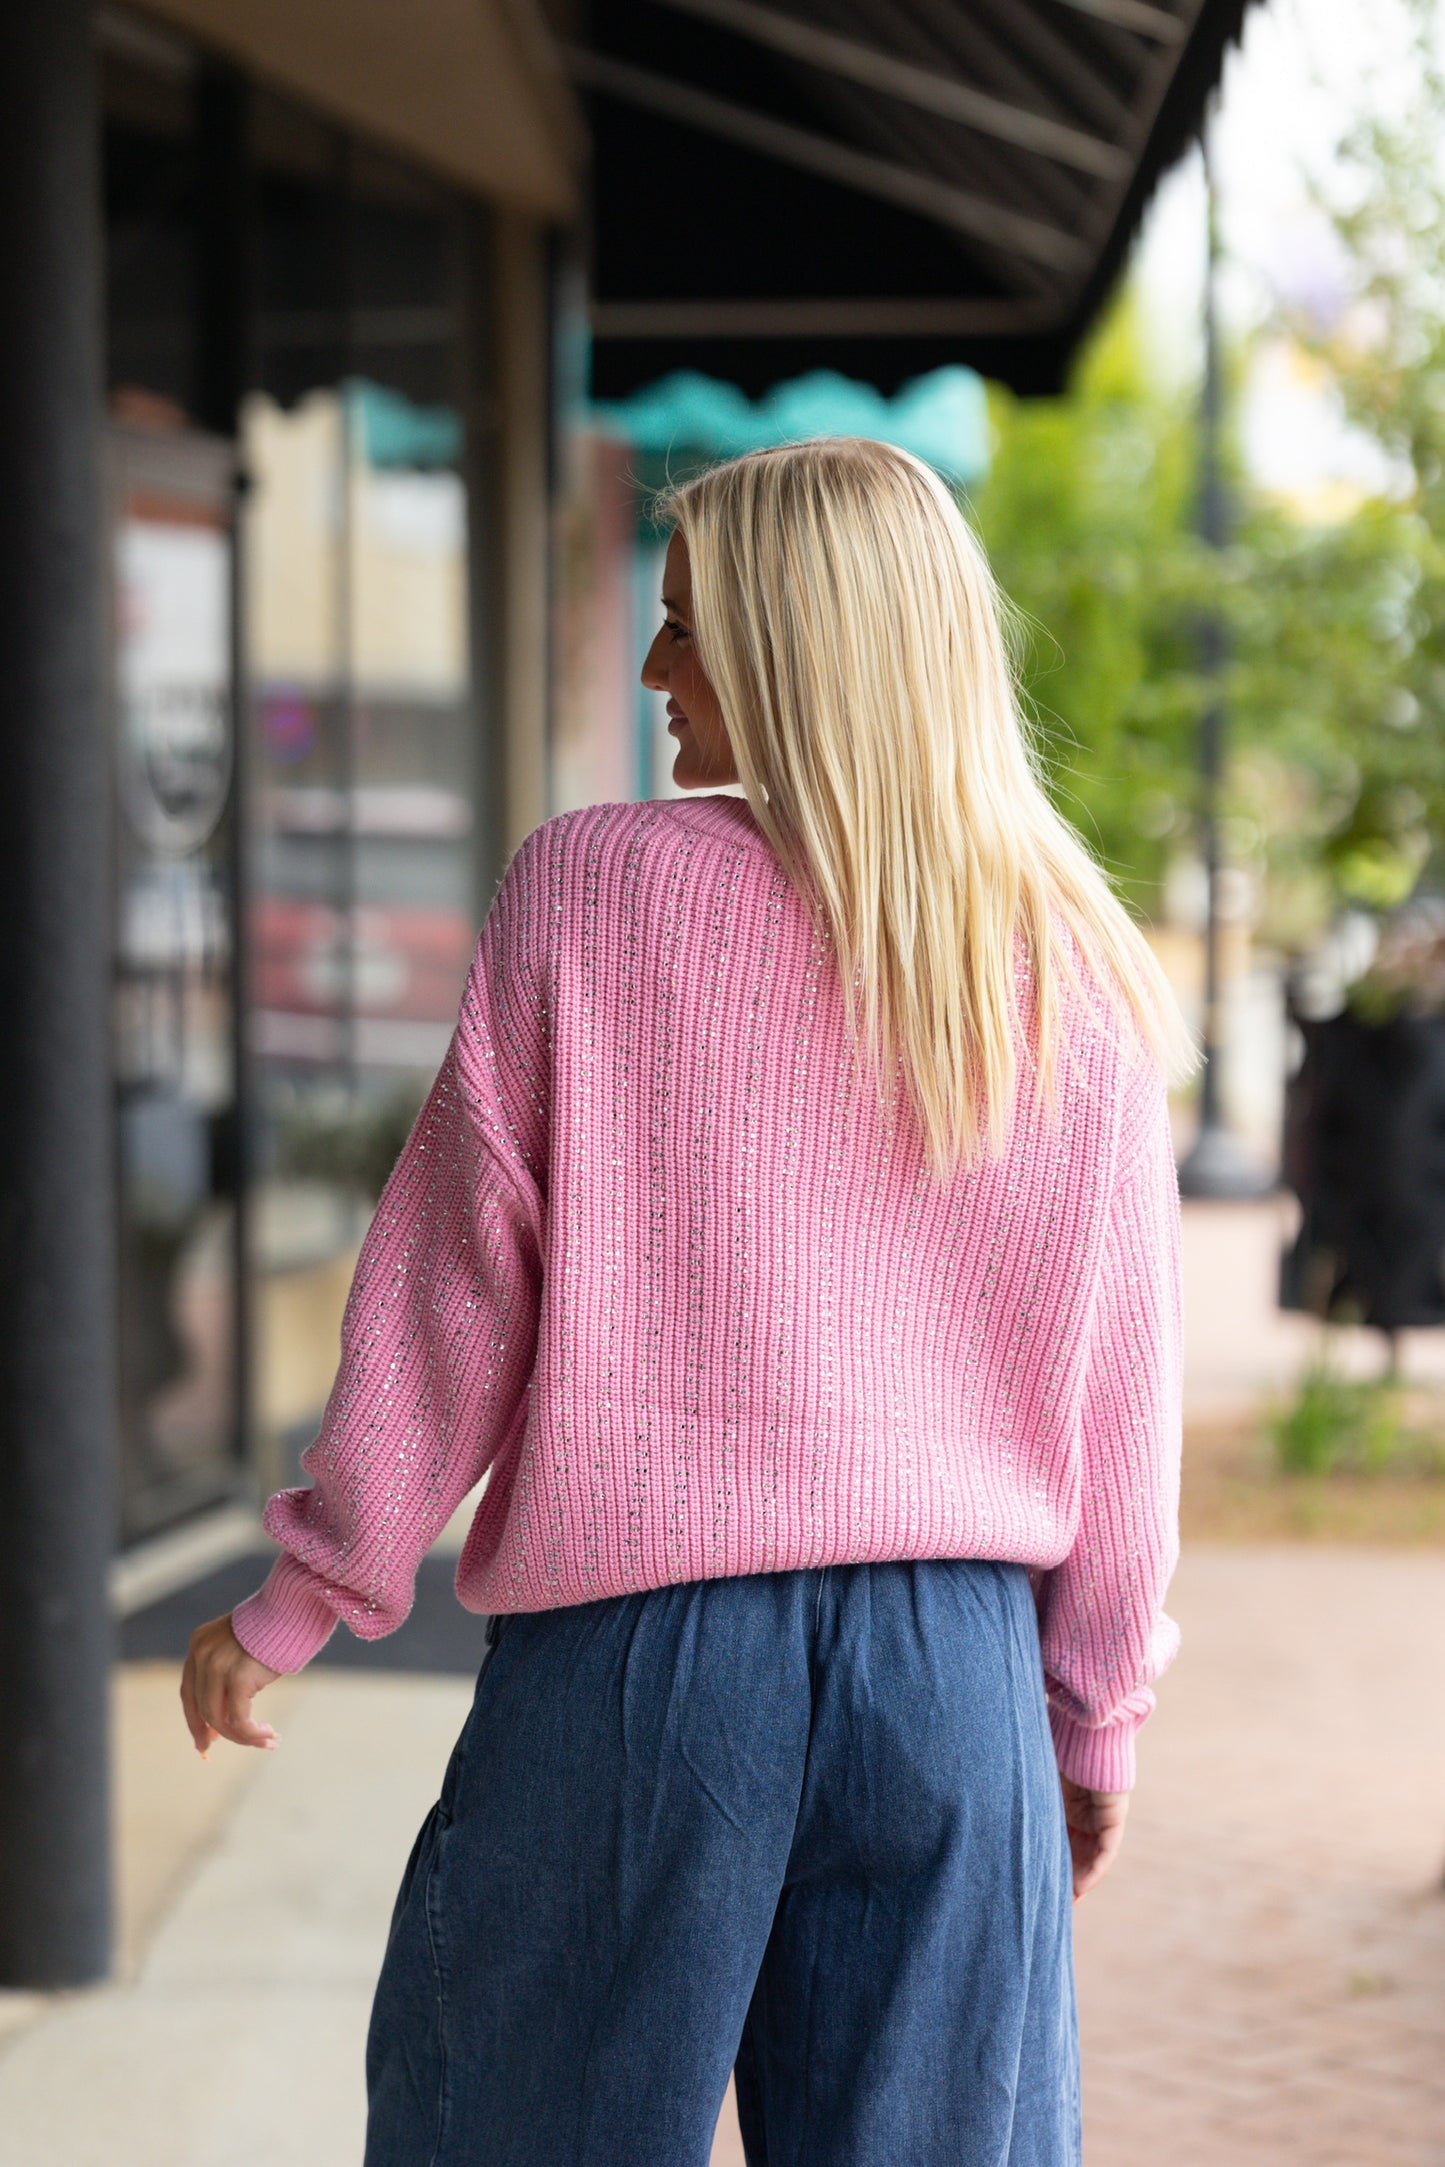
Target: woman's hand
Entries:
(1096, 1830)
(218, 1685)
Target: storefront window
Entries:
(363, 860)
(293, 341)
(175, 1020)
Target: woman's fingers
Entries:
(240, 1726)
(1093, 1868)
(218, 1684)
(196, 1723)
(1096, 1831)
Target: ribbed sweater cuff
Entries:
(1102, 1759)
(286, 1621)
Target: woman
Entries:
(791, 1238)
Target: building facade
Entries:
(328, 720)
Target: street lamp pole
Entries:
(1216, 1165)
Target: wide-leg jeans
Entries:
(807, 1823)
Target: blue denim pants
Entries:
(807, 1823)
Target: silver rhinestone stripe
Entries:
(841, 1099)
(723, 914)
(789, 1241)
(745, 1224)
(660, 1324)
(588, 1179)
(637, 1400)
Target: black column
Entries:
(225, 231)
(475, 394)
(56, 1458)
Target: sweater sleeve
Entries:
(1104, 1633)
(439, 1333)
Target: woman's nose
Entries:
(653, 675)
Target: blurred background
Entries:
(345, 347)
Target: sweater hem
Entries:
(286, 1622)
(1098, 1756)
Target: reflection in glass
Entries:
(363, 878)
(174, 981)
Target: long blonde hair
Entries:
(849, 624)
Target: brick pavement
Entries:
(1262, 1978)
(1262, 1981)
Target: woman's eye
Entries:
(678, 632)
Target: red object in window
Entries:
(408, 964)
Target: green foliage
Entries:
(1334, 679)
(1381, 574)
(1336, 1422)
(1086, 518)
(349, 1143)
(1330, 761)
(1332, 1424)
(1406, 975)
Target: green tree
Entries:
(1086, 514)
(1335, 678)
(1384, 712)
(1332, 768)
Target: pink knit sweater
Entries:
(650, 1265)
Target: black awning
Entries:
(876, 186)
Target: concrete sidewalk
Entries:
(1262, 1980)
(233, 2036)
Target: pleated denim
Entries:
(804, 1823)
